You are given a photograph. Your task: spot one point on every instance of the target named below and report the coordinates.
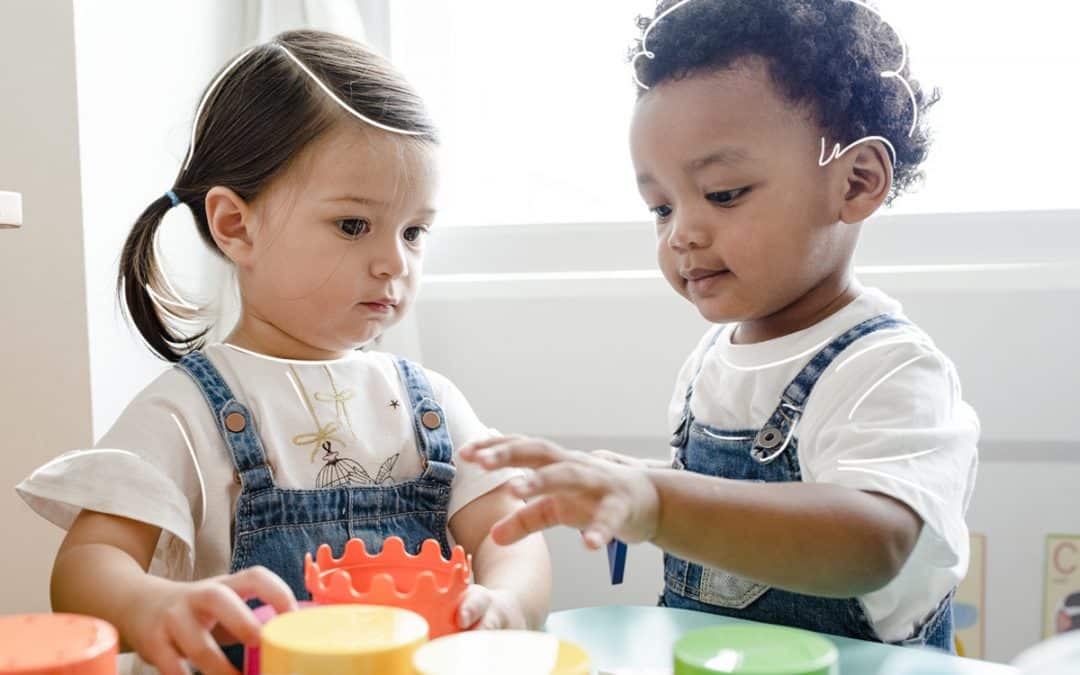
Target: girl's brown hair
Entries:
(256, 116)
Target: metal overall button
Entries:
(769, 438)
(431, 420)
(235, 422)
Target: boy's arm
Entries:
(816, 539)
(811, 538)
(517, 576)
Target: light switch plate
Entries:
(10, 209)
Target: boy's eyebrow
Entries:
(727, 155)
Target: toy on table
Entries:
(57, 644)
(520, 652)
(754, 648)
(616, 560)
(264, 613)
(344, 640)
(426, 583)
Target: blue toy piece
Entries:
(616, 558)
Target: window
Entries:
(534, 100)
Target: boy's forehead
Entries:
(737, 107)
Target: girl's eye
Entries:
(414, 234)
(354, 228)
(726, 197)
(662, 211)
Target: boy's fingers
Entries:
(522, 453)
(609, 517)
(561, 477)
(535, 516)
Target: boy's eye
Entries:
(725, 197)
(414, 234)
(353, 228)
(662, 211)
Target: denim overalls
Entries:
(770, 455)
(275, 527)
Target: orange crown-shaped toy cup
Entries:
(426, 583)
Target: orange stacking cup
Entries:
(57, 644)
(425, 583)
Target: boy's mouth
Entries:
(700, 280)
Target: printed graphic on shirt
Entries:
(342, 471)
(336, 471)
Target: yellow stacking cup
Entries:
(506, 651)
(343, 639)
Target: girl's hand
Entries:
(603, 498)
(175, 621)
(627, 460)
(489, 609)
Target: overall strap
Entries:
(429, 422)
(234, 422)
(775, 437)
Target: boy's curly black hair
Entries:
(827, 54)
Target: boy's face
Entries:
(748, 223)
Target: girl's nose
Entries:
(390, 261)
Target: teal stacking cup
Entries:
(754, 649)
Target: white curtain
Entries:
(361, 20)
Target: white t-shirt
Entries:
(164, 461)
(886, 416)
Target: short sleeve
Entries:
(890, 419)
(143, 468)
(471, 481)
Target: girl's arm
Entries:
(100, 570)
(515, 579)
(816, 539)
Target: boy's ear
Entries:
(229, 218)
(868, 181)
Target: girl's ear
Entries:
(230, 220)
(868, 181)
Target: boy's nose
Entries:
(689, 232)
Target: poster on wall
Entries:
(1061, 599)
(969, 603)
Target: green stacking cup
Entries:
(754, 649)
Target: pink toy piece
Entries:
(264, 613)
(425, 583)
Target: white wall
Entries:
(138, 90)
(44, 367)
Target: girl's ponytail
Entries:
(146, 296)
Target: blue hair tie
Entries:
(173, 198)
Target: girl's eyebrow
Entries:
(356, 198)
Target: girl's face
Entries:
(337, 241)
(746, 219)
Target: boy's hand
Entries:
(603, 498)
(177, 621)
(489, 609)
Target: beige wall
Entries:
(44, 358)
